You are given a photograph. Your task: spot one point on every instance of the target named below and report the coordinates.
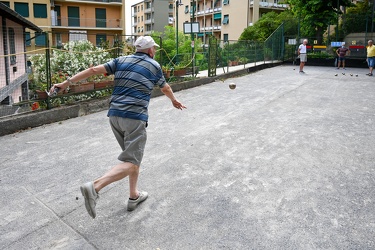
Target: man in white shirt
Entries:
(302, 55)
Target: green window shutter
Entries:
(73, 16)
(40, 10)
(217, 16)
(226, 19)
(22, 9)
(40, 39)
(27, 39)
(100, 38)
(101, 17)
(225, 2)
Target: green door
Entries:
(101, 17)
(73, 16)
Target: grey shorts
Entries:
(132, 136)
(303, 58)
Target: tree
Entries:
(266, 25)
(358, 18)
(169, 47)
(316, 15)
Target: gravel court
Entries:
(284, 161)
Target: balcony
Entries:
(87, 23)
(117, 2)
(149, 10)
(217, 27)
(149, 21)
(270, 5)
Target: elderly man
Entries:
(341, 53)
(135, 77)
(302, 55)
(370, 56)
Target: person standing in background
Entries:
(370, 56)
(302, 55)
(342, 52)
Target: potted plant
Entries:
(166, 71)
(104, 81)
(179, 70)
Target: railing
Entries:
(149, 10)
(8, 89)
(86, 22)
(149, 21)
(101, 1)
(272, 5)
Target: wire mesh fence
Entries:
(34, 66)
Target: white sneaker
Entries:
(91, 196)
(132, 204)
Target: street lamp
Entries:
(178, 3)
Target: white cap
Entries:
(343, 43)
(145, 42)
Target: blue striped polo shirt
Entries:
(134, 79)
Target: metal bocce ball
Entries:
(232, 85)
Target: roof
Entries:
(15, 17)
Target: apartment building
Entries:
(13, 75)
(261, 7)
(66, 20)
(96, 21)
(224, 19)
(150, 15)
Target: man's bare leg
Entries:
(117, 173)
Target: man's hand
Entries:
(61, 86)
(178, 105)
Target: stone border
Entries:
(15, 123)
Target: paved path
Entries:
(284, 161)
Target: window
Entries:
(57, 15)
(40, 10)
(22, 9)
(73, 16)
(101, 17)
(186, 9)
(12, 46)
(217, 16)
(225, 2)
(27, 39)
(40, 39)
(226, 19)
(6, 3)
(192, 8)
(58, 40)
(225, 37)
(100, 38)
